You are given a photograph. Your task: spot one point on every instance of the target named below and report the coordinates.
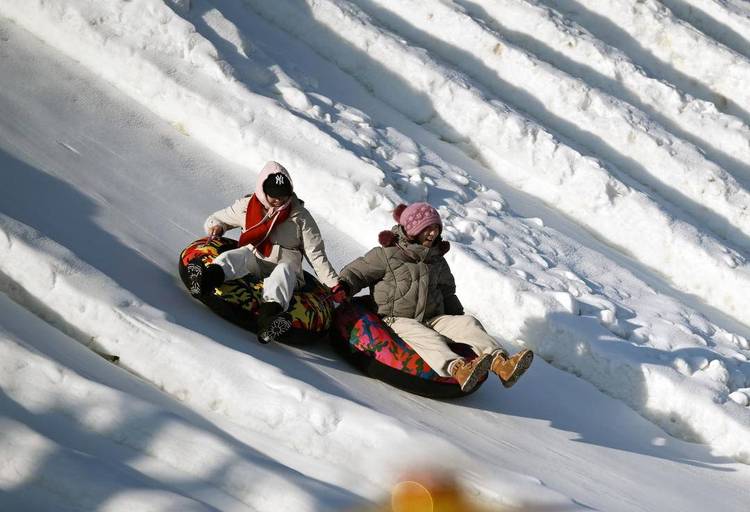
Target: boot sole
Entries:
(277, 328)
(520, 369)
(480, 370)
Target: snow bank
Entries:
(670, 47)
(685, 390)
(606, 126)
(569, 46)
(727, 21)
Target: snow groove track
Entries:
(522, 152)
(726, 21)
(607, 127)
(669, 49)
(568, 46)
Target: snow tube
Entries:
(238, 300)
(363, 338)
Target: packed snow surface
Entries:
(591, 163)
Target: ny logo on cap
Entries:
(280, 179)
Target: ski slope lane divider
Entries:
(611, 129)
(726, 21)
(687, 408)
(667, 47)
(570, 47)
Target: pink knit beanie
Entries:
(416, 217)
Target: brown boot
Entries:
(509, 369)
(468, 373)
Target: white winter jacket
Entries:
(292, 239)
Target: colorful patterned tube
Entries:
(364, 339)
(237, 301)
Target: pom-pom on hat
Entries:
(416, 217)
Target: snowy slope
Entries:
(597, 212)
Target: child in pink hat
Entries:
(415, 292)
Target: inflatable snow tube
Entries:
(238, 300)
(365, 340)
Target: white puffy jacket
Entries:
(292, 239)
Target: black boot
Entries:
(273, 322)
(204, 279)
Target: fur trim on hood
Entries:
(390, 238)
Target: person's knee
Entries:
(234, 263)
(285, 267)
(471, 321)
(468, 324)
(287, 270)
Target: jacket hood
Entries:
(271, 167)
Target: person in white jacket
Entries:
(277, 232)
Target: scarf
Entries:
(259, 223)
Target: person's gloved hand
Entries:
(340, 292)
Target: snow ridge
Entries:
(669, 45)
(611, 128)
(560, 41)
